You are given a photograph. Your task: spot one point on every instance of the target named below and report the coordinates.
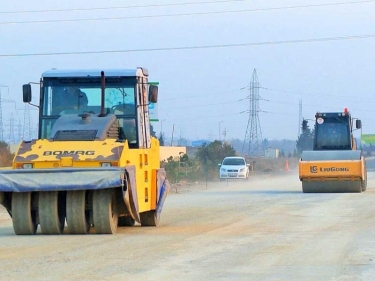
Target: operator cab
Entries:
(333, 131)
(125, 93)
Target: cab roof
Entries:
(67, 73)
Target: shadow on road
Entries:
(275, 191)
(267, 192)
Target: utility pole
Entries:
(225, 133)
(161, 128)
(252, 145)
(172, 135)
(220, 130)
(300, 118)
(11, 129)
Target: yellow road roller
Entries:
(95, 165)
(335, 165)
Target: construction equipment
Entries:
(334, 164)
(94, 162)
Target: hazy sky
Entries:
(200, 87)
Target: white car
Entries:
(234, 168)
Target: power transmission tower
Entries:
(300, 118)
(1, 112)
(11, 129)
(252, 145)
(19, 135)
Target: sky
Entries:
(203, 54)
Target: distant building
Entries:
(271, 153)
(174, 151)
(200, 143)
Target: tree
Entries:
(282, 153)
(214, 153)
(172, 168)
(295, 153)
(177, 168)
(161, 139)
(305, 141)
(209, 156)
(265, 144)
(152, 132)
(6, 156)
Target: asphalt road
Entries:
(261, 229)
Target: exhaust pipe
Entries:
(102, 109)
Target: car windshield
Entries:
(233, 161)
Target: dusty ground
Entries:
(263, 229)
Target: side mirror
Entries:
(153, 93)
(219, 164)
(358, 124)
(26, 90)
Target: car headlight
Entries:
(243, 170)
(223, 170)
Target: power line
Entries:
(189, 14)
(367, 100)
(120, 7)
(202, 105)
(288, 92)
(311, 40)
(200, 95)
(206, 117)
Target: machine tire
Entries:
(332, 187)
(23, 215)
(105, 214)
(149, 218)
(52, 212)
(304, 189)
(77, 216)
(126, 221)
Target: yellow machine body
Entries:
(56, 155)
(95, 164)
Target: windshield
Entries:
(64, 97)
(75, 96)
(332, 133)
(234, 161)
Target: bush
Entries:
(6, 157)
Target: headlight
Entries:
(243, 170)
(106, 165)
(223, 170)
(27, 166)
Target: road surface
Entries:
(261, 229)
